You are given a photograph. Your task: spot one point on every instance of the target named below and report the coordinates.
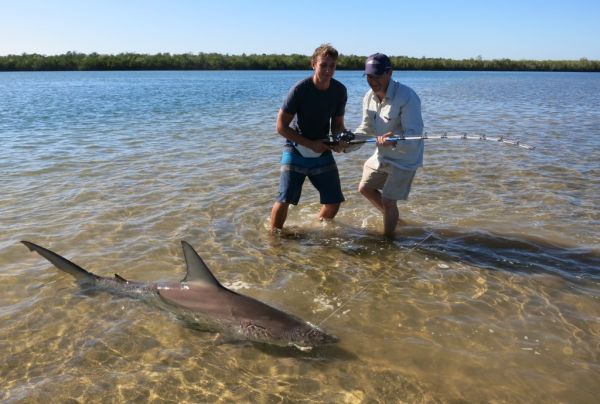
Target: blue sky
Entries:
(449, 29)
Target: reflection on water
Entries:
(491, 293)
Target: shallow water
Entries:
(492, 293)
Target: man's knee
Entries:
(364, 190)
(332, 207)
(278, 206)
(329, 211)
(389, 204)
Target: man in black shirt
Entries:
(313, 107)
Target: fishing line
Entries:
(354, 296)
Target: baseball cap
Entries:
(377, 64)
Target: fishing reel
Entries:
(344, 136)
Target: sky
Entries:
(455, 29)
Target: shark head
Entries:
(307, 336)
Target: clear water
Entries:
(501, 303)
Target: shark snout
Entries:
(327, 339)
(310, 335)
(330, 339)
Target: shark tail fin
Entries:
(197, 271)
(62, 263)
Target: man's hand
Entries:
(319, 147)
(382, 140)
(340, 147)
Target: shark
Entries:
(200, 298)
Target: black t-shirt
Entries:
(314, 108)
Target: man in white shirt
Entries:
(389, 109)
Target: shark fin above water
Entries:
(62, 263)
(197, 271)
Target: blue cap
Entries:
(377, 64)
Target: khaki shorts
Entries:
(393, 182)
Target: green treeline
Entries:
(216, 61)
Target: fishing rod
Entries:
(352, 139)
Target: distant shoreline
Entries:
(73, 61)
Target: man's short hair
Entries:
(324, 50)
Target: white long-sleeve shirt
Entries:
(400, 113)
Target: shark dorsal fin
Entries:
(197, 271)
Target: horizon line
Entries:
(478, 57)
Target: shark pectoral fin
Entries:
(301, 347)
(220, 339)
(197, 271)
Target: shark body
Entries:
(200, 297)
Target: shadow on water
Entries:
(321, 353)
(516, 253)
(513, 253)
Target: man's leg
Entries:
(391, 216)
(330, 192)
(373, 195)
(290, 188)
(384, 205)
(371, 182)
(328, 211)
(278, 215)
(396, 187)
